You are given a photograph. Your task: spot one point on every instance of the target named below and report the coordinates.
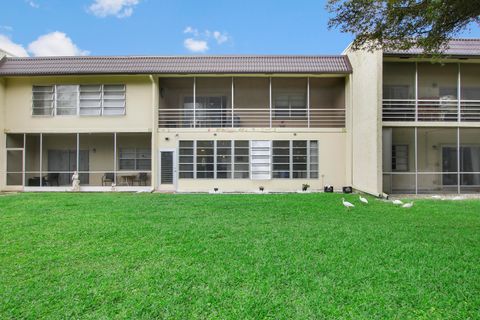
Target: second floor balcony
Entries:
(253, 102)
(428, 92)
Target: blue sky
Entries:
(169, 27)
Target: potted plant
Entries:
(305, 187)
(261, 188)
(215, 190)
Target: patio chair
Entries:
(108, 179)
(52, 178)
(142, 179)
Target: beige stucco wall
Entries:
(366, 125)
(18, 106)
(332, 159)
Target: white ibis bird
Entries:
(408, 205)
(397, 202)
(362, 199)
(347, 204)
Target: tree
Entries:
(403, 24)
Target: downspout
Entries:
(154, 139)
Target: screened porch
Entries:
(102, 160)
(431, 160)
(254, 102)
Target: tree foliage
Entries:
(403, 24)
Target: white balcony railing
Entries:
(252, 118)
(431, 110)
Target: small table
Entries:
(128, 179)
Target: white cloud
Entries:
(55, 44)
(220, 37)
(192, 31)
(195, 45)
(198, 41)
(11, 47)
(32, 4)
(8, 28)
(118, 8)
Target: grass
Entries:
(280, 256)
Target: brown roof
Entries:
(15, 66)
(456, 47)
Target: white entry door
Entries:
(167, 170)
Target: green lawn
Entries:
(236, 257)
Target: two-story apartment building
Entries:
(390, 122)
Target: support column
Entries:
(194, 102)
(78, 153)
(416, 160)
(416, 92)
(270, 100)
(308, 102)
(115, 158)
(458, 160)
(233, 102)
(41, 160)
(459, 94)
(23, 160)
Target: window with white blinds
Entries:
(43, 98)
(137, 159)
(243, 159)
(84, 100)
(260, 159)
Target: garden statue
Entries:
(75, 182)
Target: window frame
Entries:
(78, 108)
(289, 112)
(136, 151)
(311, 163)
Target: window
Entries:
(290, 106)
(396, 92)
(400, 158)
(241, 159)
(260, 159)
(43, 100)
(224, 159)
(66, 100)
(113, 99)
(297, 159)
(205, 159)
(281, 159)
(313, 159)
(138, 159)
(186, 159)
(88, 100)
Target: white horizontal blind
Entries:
(43, 98)
(85, 100)
(90, 100)
(114, 99)
(260, 159)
